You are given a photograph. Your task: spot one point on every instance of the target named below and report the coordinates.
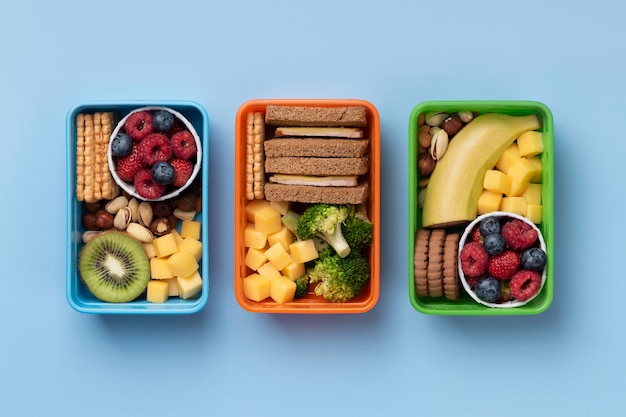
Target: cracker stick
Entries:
(110, 189)
(80, 157)
(97, 170)
(249, 156)
(89, 158)
(258, 167)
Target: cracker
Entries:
(97, 169)
(420, 262)
(109, 188)
(250, 156)
(435, 263)
(89, 159)
(258, 166)
(80, 157)
(451, 284)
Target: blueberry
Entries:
(534, 259)
(489, 225)
(494, 244)
(163, 120)
(488, 289)
(162, 172)
(121, 145)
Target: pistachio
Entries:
(466, 116)
(435, 118)
(90, 234)
(433, 130)
(117, 203)
(184, 214)
(439, 144)
(421, 196)
(133, 205)
(139, 232)
(145, 215)
(122, 218)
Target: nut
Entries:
(184, 214)
(133, 205)
(104, 219)
(421, 197)
(186, 201)
(161, 226)
(139, 232)
(162, 208)
(435, 118)
(433, 130)
(92, 207)
(421, 119)
(425, 164)
(123, 218)
(90, 234)
(466, 116)
(439, 144)
(89, 221)
(116, 204)
(145, 215)
(452, 125)
(423, 182)
(423, 136)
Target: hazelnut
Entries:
(162, 208)
(92, 207)
(452, 125)
(425, 164)
(104, 219)
(89, 221)
(186, 201)
(161, 226)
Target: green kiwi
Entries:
(114, 267)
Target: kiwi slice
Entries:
(115, 268)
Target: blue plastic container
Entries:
(78, 296)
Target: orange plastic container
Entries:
(310, 304)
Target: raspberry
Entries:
(153, 148)
(475, 235)
(139, 125)
(525, 284)
(505, 292)
(128, 166)
(182, 171)
(146, 186)
(474, 259)
(184, 145)
(503, 266)
(519, 235)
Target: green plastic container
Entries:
(466, 306)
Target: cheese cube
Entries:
(267, 220)
(530, 143)
(538, 165)
(177, 237)
(532, 194)
(284, 236)
(268, 270)
(515, 205)
(192, 246)
(293, 270)
(253, 206)
(255, 258)
(148, 247)
(508, 157)
(278, 256)
(488, 202)
(172, 286)
(282, 206)
(165, 245)
(256, 287)
(190, 228)
(160, 269)
(189, 286)
(157, 291)
(182, 264)
(497, 181)
(517, 188)
(282, 289)
(303, 251)
(521, 171)
(253, 238)
(534, 213)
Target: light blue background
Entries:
(393, 360)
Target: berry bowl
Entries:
(517, 260)
(154, 153)
(126, 255)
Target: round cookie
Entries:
(451, 285)
(420, 262)
(435, 262)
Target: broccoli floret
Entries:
(340, 279)
(290, 220)
(324, 221)
(302, 285)
(357, 232)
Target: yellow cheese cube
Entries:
(284, 236)
(256, 287)
(515, 205)
(508, 157)
(303, 251)
(530, 143)
(160, 269)
(488, 202)
(148, 247)
(190, 228)
(282, 206)
(497, 181)
(278, 256)
(267, 220)
(268, 270)
(534, 213)
(255, 258)
(282, 289)
(517, 188)
(253, 206)
(165, 245)
(189, 286)
(192, 246)
(293, 270)
(177, 236)
(538, 165)
(182, 264)
(521, 171)
(157, 291)
(253, 238)
(532, 194)
(172, 286)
